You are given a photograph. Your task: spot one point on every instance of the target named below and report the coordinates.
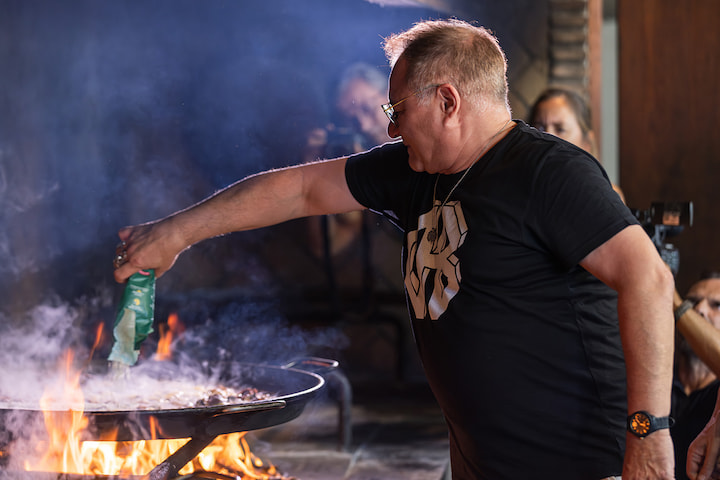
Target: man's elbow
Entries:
(650, 278)
(661, 280)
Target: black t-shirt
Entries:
(520, 345)
(691, 414)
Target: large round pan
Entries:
(291, 388)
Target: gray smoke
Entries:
(113, 113)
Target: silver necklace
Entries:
(432, 234)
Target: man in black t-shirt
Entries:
(563, 354)
(522, 267)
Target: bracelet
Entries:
(684, 307)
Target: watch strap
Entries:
(682, 309)
(663, 422)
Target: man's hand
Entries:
(651, 457)
(704, 452)
(257, 201)
(152, 245)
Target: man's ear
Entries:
(450, 100)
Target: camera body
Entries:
(663, 220)
(342, 142)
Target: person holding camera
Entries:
(359, 90)
(541, 310)
(341, 238)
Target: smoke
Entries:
(256, 333)
(114, 113)
(34, 347)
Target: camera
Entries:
(342, 142)
(663, 220)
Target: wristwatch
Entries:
(641, 423)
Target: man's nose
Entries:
(703, 308)
(392, 130)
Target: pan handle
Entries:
(313, 364)
(251, 407)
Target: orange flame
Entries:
(168, 333)
(99, 335)
(64, 452)
(63, 427)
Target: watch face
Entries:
(640, 424)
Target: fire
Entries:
(168, 333)
(63, 427)
(65, 452)
(227, 455)
(99, 335)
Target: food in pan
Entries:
(141, 393)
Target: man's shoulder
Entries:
(391, 148)
(390, 158)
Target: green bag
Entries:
(134, 321)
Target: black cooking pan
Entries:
(291, 387)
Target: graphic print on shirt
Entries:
(432, 273)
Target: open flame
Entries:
(227, 455)
(168, 333)
(64, 448)
(65, 452)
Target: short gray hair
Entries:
(452, 51)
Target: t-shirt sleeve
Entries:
(575, 208)
(381, 180)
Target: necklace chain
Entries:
(433, 232)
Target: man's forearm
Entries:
(267, 199)
(629, 263)
(254, 202)
(257, 201)
(647, 329)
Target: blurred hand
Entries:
(704, 452)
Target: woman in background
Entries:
(565, 114)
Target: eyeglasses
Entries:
(389, 108)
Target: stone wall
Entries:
(547, 43)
